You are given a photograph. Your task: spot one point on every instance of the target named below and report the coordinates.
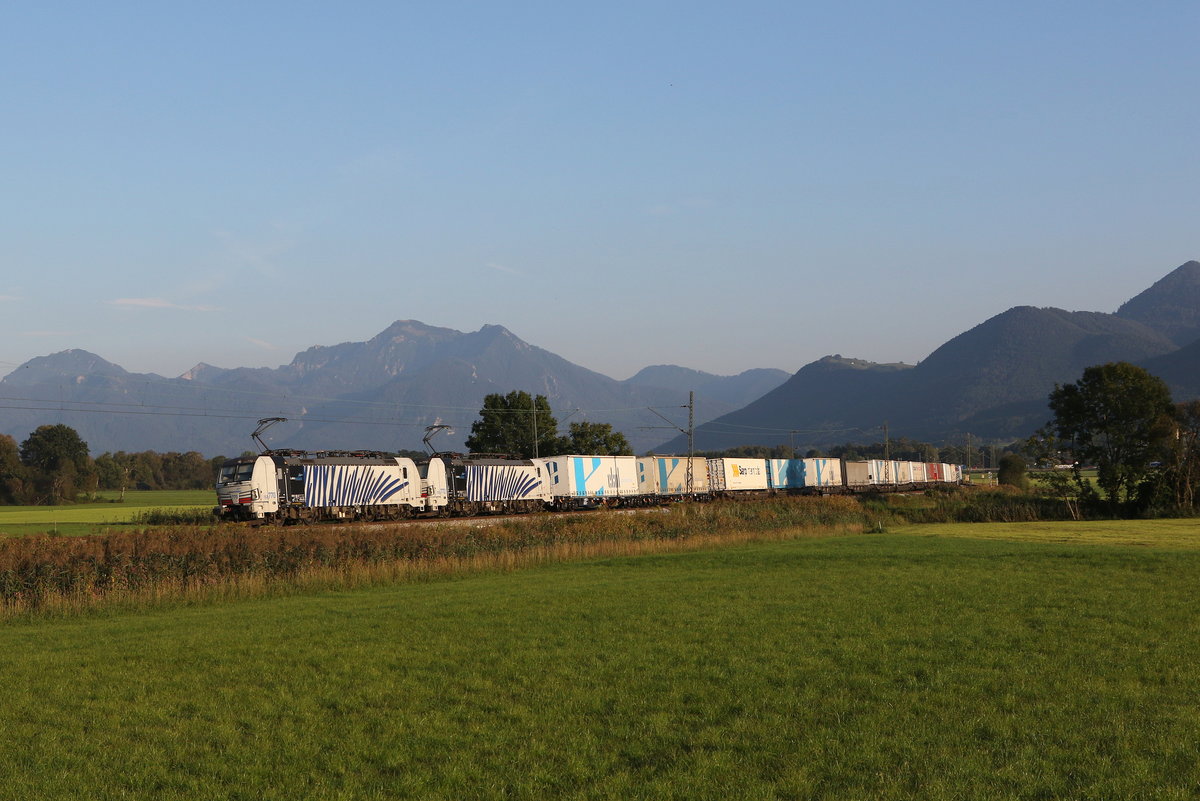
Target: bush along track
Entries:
(163, 564)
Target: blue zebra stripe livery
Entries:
(500, 483)
(350, 485)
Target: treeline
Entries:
(53, 466)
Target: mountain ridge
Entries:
(376, 394)
(991, 380)
(381, 393)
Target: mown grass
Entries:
(89, 517)
(1166, 533)
(907, 665)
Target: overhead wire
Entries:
(167, 410)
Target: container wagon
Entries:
(667, 476)
(578, 481)
(737, 475)
(804, 474)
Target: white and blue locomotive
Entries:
(334, 485)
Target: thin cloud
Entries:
(47, 333)
(262, 344)
(259, 252)
(4, 298)
(503, 269)
(158, 303)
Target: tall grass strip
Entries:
(49, 575)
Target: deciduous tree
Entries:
(58, 460)
(1116, 416)
(1012, 471)
(12, 473)
(515, 424)
(596, 439)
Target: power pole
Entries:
(535, 447)
(691, 432)
(887, 443)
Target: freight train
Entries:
(290, 486)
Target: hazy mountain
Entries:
(833, 399)
(1180, 369)
(991, 381)
(1019, 355)
(378, 394)
(67, 365)
(1171, 306)
(736, 390)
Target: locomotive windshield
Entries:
(237, 471)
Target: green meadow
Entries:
(108, 509)
(938, 662)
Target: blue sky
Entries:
(720, 186)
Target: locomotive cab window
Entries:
(240, 471)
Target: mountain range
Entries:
(991, 381)
(380, 394)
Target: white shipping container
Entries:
(737, 474)
(801, 473)
(918, 472)
(667, 475)
(882, 471)
(598, 477)
(858, 474)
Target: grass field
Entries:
(978, 662)
(86, 518)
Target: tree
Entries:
(597, 439)
(1012, 471)
(58, 458)
(1117, 416)
(1175, 485)
(515, 424)
(12, 472)
(51, 447)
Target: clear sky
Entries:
(716, 185)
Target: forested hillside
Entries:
(991, 381)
